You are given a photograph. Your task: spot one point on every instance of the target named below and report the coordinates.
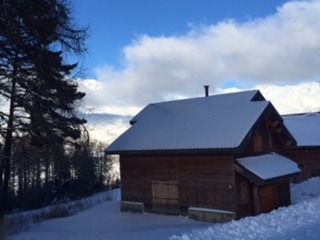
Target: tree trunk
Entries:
(2, 229)
(6, 161)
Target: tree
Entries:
(104, 165)
(35, 36)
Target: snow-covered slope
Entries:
(301, 220)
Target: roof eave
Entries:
(175, 151)
(303, 147)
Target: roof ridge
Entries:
(300, 114)
(212, 96)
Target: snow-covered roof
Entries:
(214, 122)
(305, 128)
(269, 166)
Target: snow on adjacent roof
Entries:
(218, 121)
(269, 166)
(304, 127)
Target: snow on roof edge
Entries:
(269, 166)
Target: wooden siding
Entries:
(244, 193)
(268, 198)
(203, 181)
(267, 137)
(308, 159)
(274, 196)
(253, 200)
(284, 195)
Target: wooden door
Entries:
(245, 199)
(165, 197)
(268, 198)
(307, 171)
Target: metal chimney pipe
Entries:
(206, 89)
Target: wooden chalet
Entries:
(213, 158)
(306, 130)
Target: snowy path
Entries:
(105, 221)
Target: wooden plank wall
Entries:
(207, 182)
(268, 137)
(244, 195)
(284, 196)
(203, 181)
(308, 160)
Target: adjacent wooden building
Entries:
(213, 158)
(306, 130)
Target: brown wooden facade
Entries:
(308, 159)
(269, 136)
(170, 184)
(253, 199)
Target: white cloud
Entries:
(276, 53)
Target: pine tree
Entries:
(35, 35)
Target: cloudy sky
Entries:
(150, 51)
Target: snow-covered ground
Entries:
(301, 220)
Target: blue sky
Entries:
(116, 23)
(141, 52)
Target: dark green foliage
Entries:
(35, 36)
(91, 169)
(56, 173)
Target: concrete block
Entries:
(210, 215)
(127, 206)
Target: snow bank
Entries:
(284, 223)
(298, 221)
(305, 190)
